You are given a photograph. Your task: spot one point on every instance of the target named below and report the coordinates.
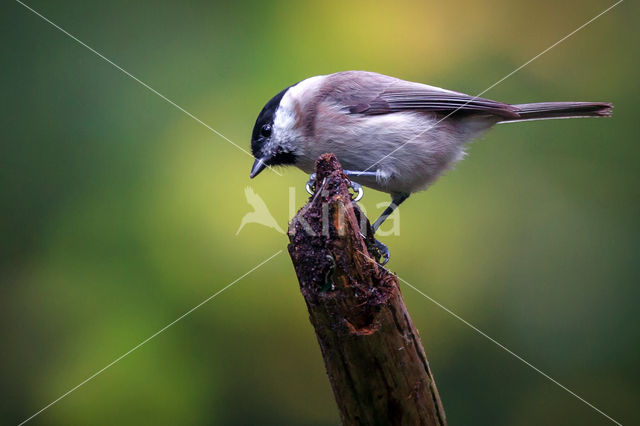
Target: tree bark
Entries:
(373, 356)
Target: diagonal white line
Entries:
(149, 338)
(145, 85)
(497, 82)
(509, 351)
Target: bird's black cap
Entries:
(265, 118)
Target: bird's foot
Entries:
(311, 184)
(377, 249)
(385, 254)
(382, 251)
(357, 188)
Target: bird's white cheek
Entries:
(284, 120)
(285, 135)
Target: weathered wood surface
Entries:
(375, 361)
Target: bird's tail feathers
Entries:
(551, 110)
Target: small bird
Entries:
(389, 134)
(260, 213)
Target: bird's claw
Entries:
(357, 188)
(382, 250)
(378, 249)
(385, 254)
(311, 184)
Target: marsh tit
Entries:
(391, 135)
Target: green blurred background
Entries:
(120, 212)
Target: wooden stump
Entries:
(372, 352)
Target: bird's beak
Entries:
(259, 165)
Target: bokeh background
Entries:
(120, 212)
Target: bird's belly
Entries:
(406, 150)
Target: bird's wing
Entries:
(379, 94)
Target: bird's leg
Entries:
(355, 173)
(396, 199)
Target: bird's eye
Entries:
(266, 130)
